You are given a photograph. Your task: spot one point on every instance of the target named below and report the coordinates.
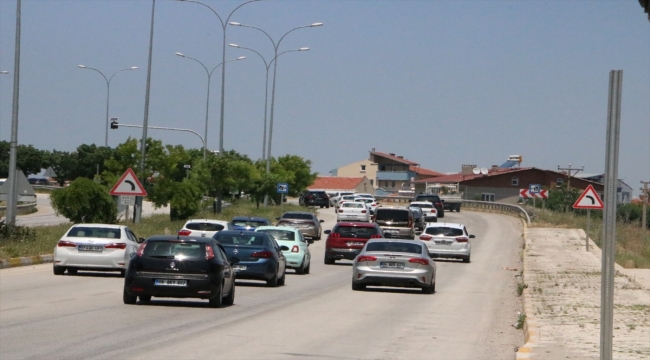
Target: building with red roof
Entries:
(338, 183)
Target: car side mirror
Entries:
(388, 235)
(327, 232)
(472, 236)
(284, 248)
(140, 240)
(233, 260)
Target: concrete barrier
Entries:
(21, 209)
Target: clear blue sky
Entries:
(442, 83)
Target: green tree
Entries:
(301, 173)
(185, 200)
(85, 201)
(28, 159)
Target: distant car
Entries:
(306, 222)
(203, 227)
(447, 240)
(314, 198)
(260, 257)
(346, 240)
(180, 267)
(398, 263)
(38, 181)
(365, 195)
(418, 218)
(299, 257)
(343, 199)
(248, 223)
(335, 197)
(435, 200)
(397, 221)
(429, 211)
(353, 211)
(97, 247)
(372, 204)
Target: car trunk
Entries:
(174, 258)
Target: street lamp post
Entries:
(276, 46)
(4, 72)
(207, 101)
(108, 91)
(115, 125)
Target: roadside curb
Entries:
(530, 325)
(26, 261)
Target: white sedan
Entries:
(353, 211)
(447, 240)
(371, 204)
(99, 247)
(429, 211)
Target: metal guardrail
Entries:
(484, 205)
(21, 208)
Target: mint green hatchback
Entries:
(298, 256)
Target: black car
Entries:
(180, 267)
(260, 257)
(418, 218)
(314, 198)
(435, 200)
(38, 181)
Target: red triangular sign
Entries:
(589, 200)
(128, 185)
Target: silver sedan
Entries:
(398, 263)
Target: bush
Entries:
(85, 201)
(185, 201)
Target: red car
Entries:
(346, 240)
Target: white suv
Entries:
(204, 227)
(447, 240)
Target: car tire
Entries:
(466, 259)
(128, 298)
(329, 260)
(282, 279)
(122, 273)
(307, 269)
(430, 289)
(144, 298)
(217, 300)
(230, 299)
(72, 271)
(301, 269)
(358, 287)
(458, 208)
(327, 207)
(273, 282)
(58, 270)
(319, 236)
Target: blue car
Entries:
(248, 223)
(257, 256)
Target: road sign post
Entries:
(128, 187)
(588, 200)
(282, 189)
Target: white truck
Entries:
(449, 194)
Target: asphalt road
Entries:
(315, 316)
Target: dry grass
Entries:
(632, 241)
(46, 237)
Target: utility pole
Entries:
(570, 172)
(644, 198)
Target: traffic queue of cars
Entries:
(390, 246)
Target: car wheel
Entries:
(282, 279)
(217, 300)
(122, 273)
(58, 270)
(144, 298)
(466, 259)
(429, 289)
(274, 280)
(329, 261)
(307, 269)
(72, 271)
(321, 206)
(230, 299)
(327, 207)
(128, 298)
(358, 287)
(458, 208)
(301, 269)
(319, 236)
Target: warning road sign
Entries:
(128, 185)
(589, 200)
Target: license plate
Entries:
(391, 265)
(356, 243)
(443, 242)
(168, 282)
(90, 248)
(239, 267)
(392, 231)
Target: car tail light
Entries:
(64, 243)
(425, 237)
(340, 210)
(115, 246)
(376, 236)
(419, 261)
(295, 248)
(366, 258)
(438, 204)
(434, 211)
(137, 289)
(262, 254)
(363, 211)
(462, 239)
(141, 249)
(335, 235)
(209, 254)
(184, 233)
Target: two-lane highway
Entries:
(312, 316)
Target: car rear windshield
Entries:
(297, 216)
(96, 232)
(174, 249)
(284, 235)
(252, 223)
(204, 226)
(430, 198)
(240, 239)
(416, 211)
(395, 247)
(356, 205)
(355, 231)
(444, 231)
(392, 215)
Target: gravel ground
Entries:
(564, 285)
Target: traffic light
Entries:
(114, 124)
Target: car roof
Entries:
(393, 208)
(297, 212)
(443, 224)
(422, 202)
(357, 224)
(401, 241)
(289, 228)
(213, 221)
(108, 226)
(240, 232)
(183, 238)
(249, 218)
